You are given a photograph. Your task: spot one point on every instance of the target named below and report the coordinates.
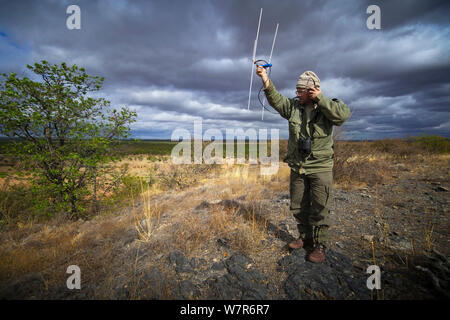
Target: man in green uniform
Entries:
(311, 118)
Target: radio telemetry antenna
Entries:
(268, 64)
(253, 59)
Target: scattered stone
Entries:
(176, 258)
(400, 243)
(405, 244)
(186, 290)
(218, 266)
(224, 242)
(197, 263)
(181, 263)
(368, 237)
(241, 282)
(237, 259)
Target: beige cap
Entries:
(308, 79)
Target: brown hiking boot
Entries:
(318, 255)
(300, 243)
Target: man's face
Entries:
(302, 95)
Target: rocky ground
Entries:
(401, 225)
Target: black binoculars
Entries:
(304, 145)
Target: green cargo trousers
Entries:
(311, 197)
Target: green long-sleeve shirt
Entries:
(327, 114)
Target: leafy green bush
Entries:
(412, 145)
(61, 135)
(433, 143)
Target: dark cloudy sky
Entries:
(179, 61)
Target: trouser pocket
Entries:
(321, 185)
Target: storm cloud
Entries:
(175, 62)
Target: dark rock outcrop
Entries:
(240, 282)
(334, 279)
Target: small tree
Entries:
(64, 135)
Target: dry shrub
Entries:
(396, 148)
(354, 164)
(193, 232)
(180, 176)
(34, 257)
(372, 162)
(245, 231)
(48, 249)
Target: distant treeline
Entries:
(420, 144)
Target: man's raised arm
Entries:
(279, 102)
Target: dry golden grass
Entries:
(167, 218)
(358, 164)
(190, 230)
(429, 241)
(43, 248)
(147, 219)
